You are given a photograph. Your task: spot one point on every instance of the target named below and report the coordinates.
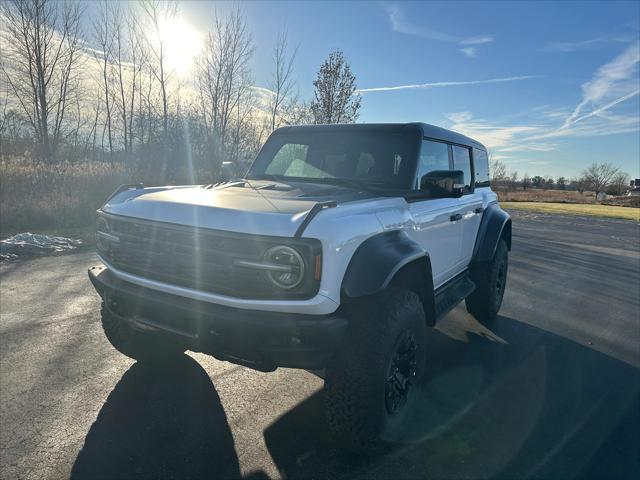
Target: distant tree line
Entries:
(597, 178)
(103, 90)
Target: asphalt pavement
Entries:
(551, 390)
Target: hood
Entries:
(261, 207)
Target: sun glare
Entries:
(182, 43)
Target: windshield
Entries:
(377, 159)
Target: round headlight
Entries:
(292, 272)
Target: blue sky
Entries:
(568, 84)
(549, 87)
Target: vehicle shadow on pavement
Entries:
(510, 402)
(162, 422)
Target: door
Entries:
(470, 204)
(436, 225)
(438, 231)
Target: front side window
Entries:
(383, 160)
(462, 161)
(433, 156)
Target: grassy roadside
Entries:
(608, 211)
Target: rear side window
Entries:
(481, 167)
(462, 161)
(433, 156)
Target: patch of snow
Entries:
(35, 244)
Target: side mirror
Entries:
(443, 183)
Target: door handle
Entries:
(479, 210)
(456, 217)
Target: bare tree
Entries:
(136, 62)
(103, 32)
(562, 183)
(599, 176)
(498, 171)
(41, 62)
(90, 139)
(157, 13)
(120, 49)
(513, 181)
(282, 81)
(335, 98)
(125, 58)
(526, 181)
(620, 183)
(549, 183)
(223, 83)
(5, 114)
(146, 114)
(296, 112)
(580, 184)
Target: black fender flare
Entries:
(377, 260)
(495, 224)
(391, 257)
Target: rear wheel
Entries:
(491, 280)
(372, 379)
(136, 344)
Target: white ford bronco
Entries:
(335, 253)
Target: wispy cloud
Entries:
(503, 138)
(604, 109)
(399, 23)
(469, 51)
(476, 40)
(591, 43)
(612, 83)
(529, 146)
(447, 84)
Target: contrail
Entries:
(447, 84)
(597, 111)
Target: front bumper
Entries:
(257, 339)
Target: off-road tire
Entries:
(355, 379)
(491, 280)
(136, 344)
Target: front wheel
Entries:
(141, 346)
(372, 379)
(491, 280)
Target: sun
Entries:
(181, 42)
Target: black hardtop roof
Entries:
(429, 131)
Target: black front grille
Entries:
(196, 258)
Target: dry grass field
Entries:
(609, 211)
(44, 197)
(565, 196)
(542, 195)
